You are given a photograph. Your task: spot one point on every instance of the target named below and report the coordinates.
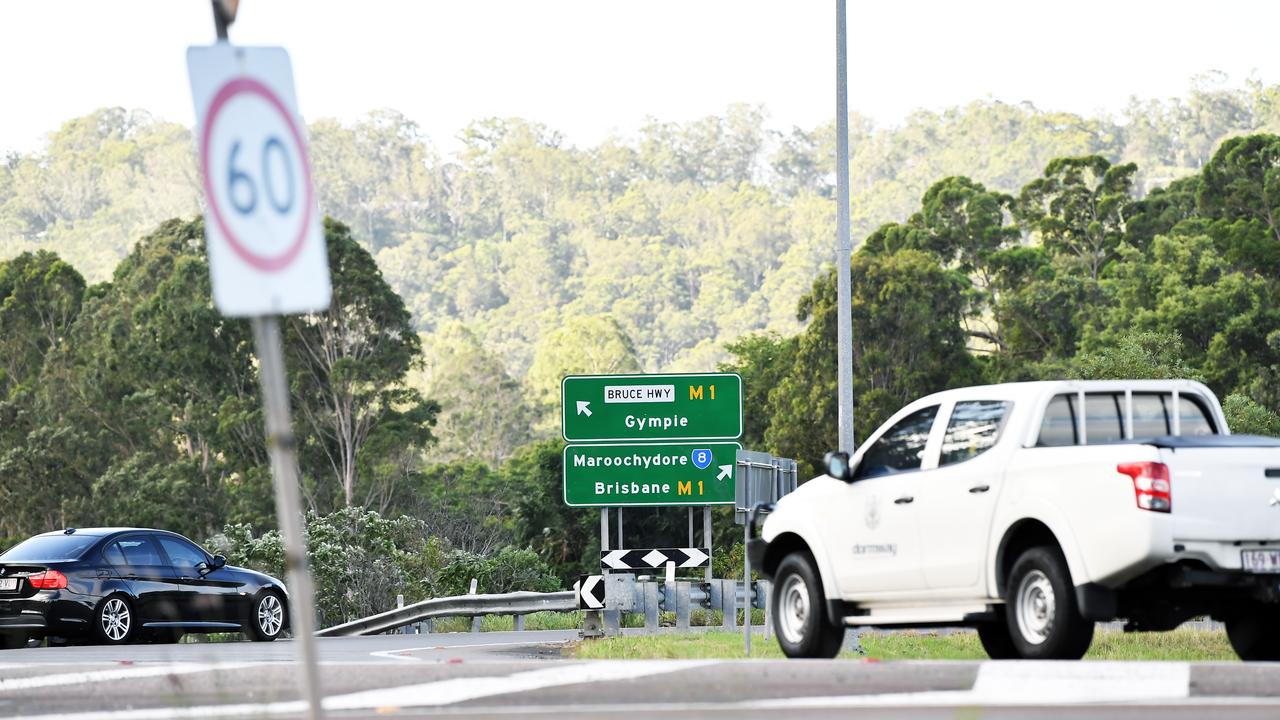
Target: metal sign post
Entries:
(267, 256)
(284, 472)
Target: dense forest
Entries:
(997, 243)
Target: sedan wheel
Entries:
(268, 618)
(115, 621)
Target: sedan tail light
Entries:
(1151, 485)
(48, 580)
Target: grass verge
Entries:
(1185, 644)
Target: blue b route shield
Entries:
(702, 459)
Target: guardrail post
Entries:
(682, 605)
(651, 606)
(518, 623)
(728, 604)
(429, 625)
(475, 621)
(400, 606)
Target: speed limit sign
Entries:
(264, 235)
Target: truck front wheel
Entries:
(1255, 635)
(800, 611)
(1044, 622)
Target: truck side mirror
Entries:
(838, 466)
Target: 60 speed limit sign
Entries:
(262, 229)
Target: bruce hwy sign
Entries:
(608, 408)
(630, 474)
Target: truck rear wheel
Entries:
(800, 611)
(1256, 634)
(1043, 620)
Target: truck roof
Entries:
(1036, 389)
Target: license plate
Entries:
(9, 584)
(1260, 561)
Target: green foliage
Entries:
(1246, 417)
(1141, 355)
(562, 536)
(348, 369)
(361, 560)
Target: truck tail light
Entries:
(48, 580)
(1151, 486)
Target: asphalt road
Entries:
(509, 674)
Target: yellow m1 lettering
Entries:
(684, 487)
(695, 393)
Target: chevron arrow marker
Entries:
(616, 559)
(696, 558)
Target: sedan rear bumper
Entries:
(47, 613)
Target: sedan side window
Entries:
(973, 429)
(183, 555)
(114, 555)
(901, 448)
(139, 550)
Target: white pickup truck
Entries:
(1030, 511)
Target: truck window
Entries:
(1151, 416)
(973, 428)
(1059, 426)
(901, 448)
(1194, 417)
(1104, 417)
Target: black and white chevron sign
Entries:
(590, 591)
(654, 559)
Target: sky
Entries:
(591, 69)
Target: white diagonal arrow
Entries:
(614, 559)
(725, 472)
(696, 557)
(584, 407)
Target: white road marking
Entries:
(1028, 683)
(448, 692)
(400, 653)
(125, 673)
(443, 692)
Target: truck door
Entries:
(956, 500)
(873, 534)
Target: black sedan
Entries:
(119, 585)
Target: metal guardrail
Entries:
(515, 603)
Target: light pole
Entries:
(844, 245)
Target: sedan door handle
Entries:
(979, 489)
(905, 499)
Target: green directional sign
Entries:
(630, 474)
(628, 408)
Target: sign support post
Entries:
(706, 538)
(284, 473)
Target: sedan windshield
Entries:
(48, 548)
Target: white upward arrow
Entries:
(584, 407)
(614, 559)
(696, 557)
(725, 472)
